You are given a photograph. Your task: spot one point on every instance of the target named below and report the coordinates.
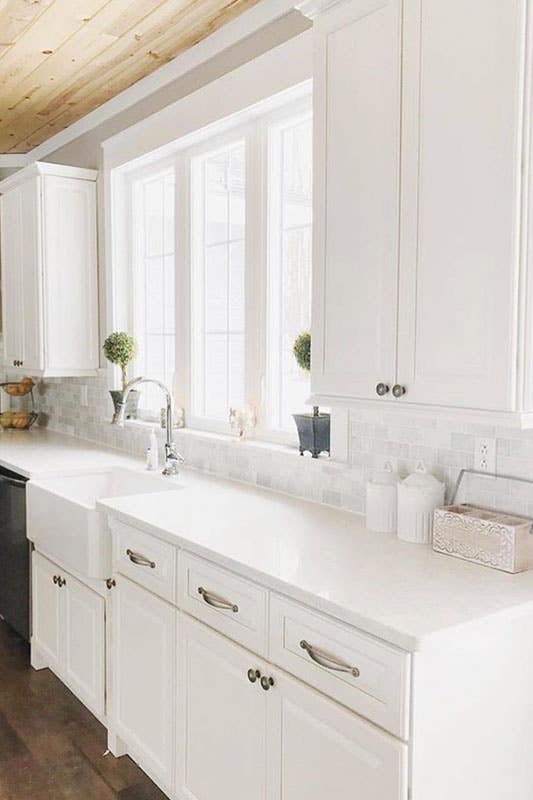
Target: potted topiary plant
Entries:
(313, 429)
(120, 348)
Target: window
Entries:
(217, 264)
(229, 260)
(289, 266)
(153, 285)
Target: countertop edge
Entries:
(402, 639)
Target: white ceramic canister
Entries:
(418, 496)
(382, 500)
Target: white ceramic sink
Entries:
(63, 521)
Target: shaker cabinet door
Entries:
(47, 616)
(144, 673)
(21, 277)
(462, 99)
(318, 749)
(356, 196)
(69, 247)
(221, 718)
(84, 643)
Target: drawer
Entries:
(145, 559)
(230, 604)
(362, 673)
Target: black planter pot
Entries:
(313, 432)
(132, 403)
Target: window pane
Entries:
(154, 282)
(289, 272)
(218, 230)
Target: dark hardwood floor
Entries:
(51, 747)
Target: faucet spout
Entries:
(172, 458)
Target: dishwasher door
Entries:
(14, 554)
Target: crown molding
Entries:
(14, 160)
(313, 8)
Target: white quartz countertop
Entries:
(38, 453)
(403, 593)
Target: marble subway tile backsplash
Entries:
(375, 434)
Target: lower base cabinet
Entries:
(248, 730)
(222, 718)
(318, 749)
(69, 631)
(143, 664)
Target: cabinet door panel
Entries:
(46, 616)
(357, 160)
(144, 669)
(84, 635)
(70, 273)
(319, 750)
(31, 267)
(221, 718)
(460, 202)
(12, 293)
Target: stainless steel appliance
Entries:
(14, 554)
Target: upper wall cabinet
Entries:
(49, 271)
(421, 290)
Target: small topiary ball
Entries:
(302, 350)
(120, 348)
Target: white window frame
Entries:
(255, 132)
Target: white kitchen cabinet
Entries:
(283, 742)
(143, 678)
(84, 643)
(69, 631)
(356, 196)
(49, 271)
(461, 202)
(221, 743)
(420, 281)
(318, 749)
(46, 614)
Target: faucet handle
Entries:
(172, 454)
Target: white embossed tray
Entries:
(491, 538)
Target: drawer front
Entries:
(230, 604)
(370, 677)
(145, 559)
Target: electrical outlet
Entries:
(485, 459)
(84, 396)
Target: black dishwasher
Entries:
(14, 554)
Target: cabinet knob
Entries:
(253, 675)
(56, 579)
(398, 390)
(382, 389)
(110, 583)
(266, 683)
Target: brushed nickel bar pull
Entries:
(139, 559)
(216, 601)
(325, 660)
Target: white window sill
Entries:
(249, 444)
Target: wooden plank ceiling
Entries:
(60, 59)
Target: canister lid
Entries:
(421, 479)
(385, 476)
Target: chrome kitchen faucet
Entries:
(172, 458)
